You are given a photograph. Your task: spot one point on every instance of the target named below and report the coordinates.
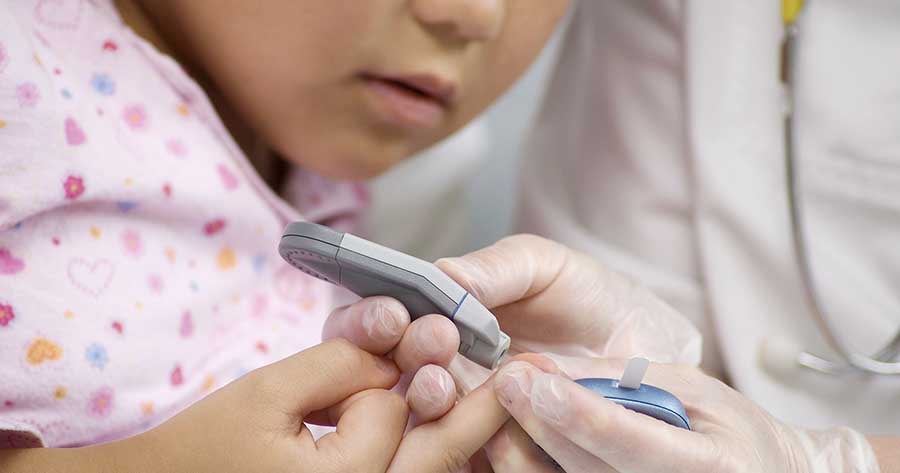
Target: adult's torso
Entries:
(660, 150)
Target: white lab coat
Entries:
(660, 150)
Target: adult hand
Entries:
(585, 432)
(549, 298)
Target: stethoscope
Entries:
(884, 362)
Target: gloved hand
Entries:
(587, 433)
(550, 298)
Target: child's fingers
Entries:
(370, 425)
(431, 393)
(322, 376)
(445, 445)
(432, 339)
(374, 324)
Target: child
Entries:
(137, 262)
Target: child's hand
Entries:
(422, 349)
(443, 440)
(256, 424)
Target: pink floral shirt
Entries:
(138, 263)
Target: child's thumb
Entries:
(322, 376)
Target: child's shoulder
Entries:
(85, 106)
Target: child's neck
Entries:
(141, 21)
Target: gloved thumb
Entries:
(512, 269)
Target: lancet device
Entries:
(368, 269)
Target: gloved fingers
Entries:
(431, 394)
(375, 324)
(514, 386)
(679, 379)
(514, 268)
(619, 437)
(432, 339)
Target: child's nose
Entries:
(471, 20)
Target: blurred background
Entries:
(429, 209)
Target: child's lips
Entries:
(411, 101)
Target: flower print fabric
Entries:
(138, 262)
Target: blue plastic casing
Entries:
(646, 399)
(650, 400)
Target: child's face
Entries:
(350, 87)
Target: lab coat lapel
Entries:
(736, 141)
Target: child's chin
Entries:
(351, 166)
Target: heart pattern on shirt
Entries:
(91, 277)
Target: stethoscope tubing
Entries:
(881, 363)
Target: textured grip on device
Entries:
(317, 259)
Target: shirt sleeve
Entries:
(22, 192)
(39, 141)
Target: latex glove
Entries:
(549, 298)
(587, 433)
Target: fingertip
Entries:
(437, 339)
(431, 393)
(375, 324)
(432, 339)
(384, 319)
(512, 384)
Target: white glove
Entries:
(586, 433)
(549, 298)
